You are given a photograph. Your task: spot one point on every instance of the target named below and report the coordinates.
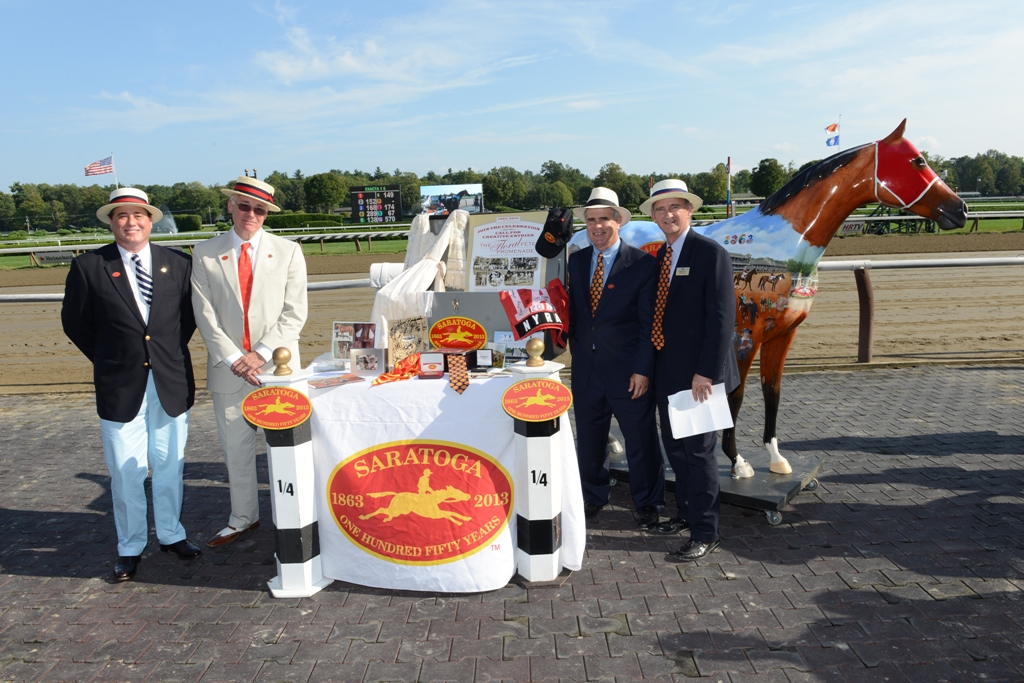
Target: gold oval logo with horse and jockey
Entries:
(456, 332)
(420, 502)
(536, 400)
(276, 408)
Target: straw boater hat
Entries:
(666, 189)
(250, 188)
(128, 196)
(603, 198)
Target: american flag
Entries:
(101, 167)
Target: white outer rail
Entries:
(921, 263)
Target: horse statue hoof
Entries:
(741, 469)
(778, 465)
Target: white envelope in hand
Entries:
(689, 417)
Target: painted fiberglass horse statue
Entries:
(785, 237)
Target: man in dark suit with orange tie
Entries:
(694, 316)
(611, 302)
(128, 308)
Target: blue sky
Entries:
(201, 90)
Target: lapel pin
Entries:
(611, 286)
(116, 273)
(224, 257)
(270, 256)
(164, 269)
(682, 272)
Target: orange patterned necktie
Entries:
(458, 372)
(597, 284)
(657, 331)
(245, 284)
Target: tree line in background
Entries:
(59, 207)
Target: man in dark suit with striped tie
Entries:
(128, 308)
(611, 299)
(694, 315)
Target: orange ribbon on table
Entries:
(407, 368)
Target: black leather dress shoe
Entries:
(672, 525)
(647, 517)
(590, 511)
(693, 550)
(125, 567)
(184, 549)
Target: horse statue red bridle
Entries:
(787, 235)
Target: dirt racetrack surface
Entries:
(921, 315)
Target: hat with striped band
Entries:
(603, 198)
(667, 189)
(251, 188)
(128, 196)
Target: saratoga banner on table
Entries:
(415, 486)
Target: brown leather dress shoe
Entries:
(228, 535)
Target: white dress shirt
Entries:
(609, 259)
(146, 257)
(677, 249)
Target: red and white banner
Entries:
(415, 486)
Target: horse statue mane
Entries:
(812, 174)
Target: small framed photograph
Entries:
(347, 336)
(367, 361)
(484, 358)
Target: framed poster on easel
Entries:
(502, 254)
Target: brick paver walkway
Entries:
(906, 564)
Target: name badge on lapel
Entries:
(682, 272)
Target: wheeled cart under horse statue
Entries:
(775, 249)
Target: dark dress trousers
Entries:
(607, 348)
(100, 315)
(700, 316)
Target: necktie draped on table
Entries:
(458, 372)
(245, 285)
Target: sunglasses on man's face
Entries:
(246, 208)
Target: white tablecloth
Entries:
(351, 419)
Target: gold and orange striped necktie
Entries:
(657, 329)
(597, 284)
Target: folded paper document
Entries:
(689, 417)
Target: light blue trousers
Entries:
(153, 439)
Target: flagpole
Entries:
(114, 169)
(839, 129)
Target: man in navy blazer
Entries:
(692, 334)
(128, 308)
(611, 299)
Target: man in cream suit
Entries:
(249, 296)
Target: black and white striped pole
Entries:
(282, 407)
(536, 401)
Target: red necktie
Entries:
(245, 284)
(657, 330)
